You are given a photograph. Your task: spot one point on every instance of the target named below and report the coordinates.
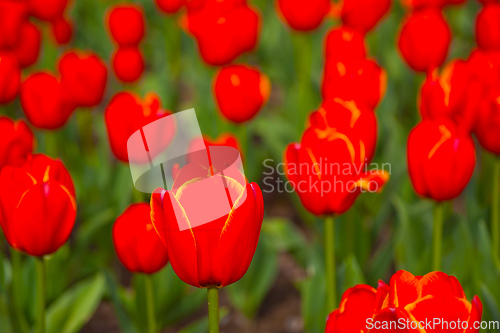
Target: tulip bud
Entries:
(83, 76)
(126, 24)
(17, 142)
(28, 47)
(344, 43)
(12, 16)
(241, 91)
(10, 77)
(301, 15)
(45, 103)
(424, 40)
(488, 28)
(170, 6)
(128, 64)
(47, 10)
(62, 30)
(136, 242)
(363, 15)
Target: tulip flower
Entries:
(344, 43)
(301, 15)
(47, 10)
(17, 142)
(28, 46)
(45, 102)
(223, 29)
(241, 91)
(83, 76)
(362, 15)
(126, 24)
(10, 77)
(125, 114)
(12, 16)
(488, 28)
(170, 6)
(62, 30)
(224, 140)
(424, 40)
(421, 4)
(128, 64)
(408, 300)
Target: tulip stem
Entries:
(437, 236)
(213, 310)
(150, 304)
(18, 320)
(331, 277)
(40, 294)
(495, 210)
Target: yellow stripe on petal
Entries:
(445, 135)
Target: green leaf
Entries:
(76, 306)
(350, 274)
(286, 237)
(126, 324)
(490, 304)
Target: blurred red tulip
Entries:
(226, 139)
(83, 76)
(487, 126)
(62, 30)
(407, 301)
(38, 207)
(128, 64)
(363, 15)
(303, 15)
(361, 80)
(45, 102)
(126, 24)
(125, 114)
(223, 29)
(241, 91)
(421, 4)
(488, 28)
(12, 16)
(10, 77)
(47, 10)
(218, 252)
(486, 2)
(424, 40)
(170, 6)
(17, 142)
(137, 244)
(344, 43)
(328, 169)
(28, 47)
(441, 159)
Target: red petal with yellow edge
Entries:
(404, 289)
(475, 314)
(382, 295)
(386, 321)
(438, 283)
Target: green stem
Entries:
(213, 310)
(495, 210)
(173, 42)
(437, 236)
(331, 277)
(150, 304)
(40, 294)
(18, 319)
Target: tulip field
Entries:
(271, 166)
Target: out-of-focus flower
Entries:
(363, 15)
(487, 126)
(47, 10)
(406, 302)
(38, 207)
(216, 253)
(328, 169)
(137, 244)
(83, 76)
(361, 80)
(488, 27)
(128, 64)
(12, 16)
(10, 77)
(28, 46)
(125, 114)
(421, 4)
(17, 142)
(344, 43)
(126, 24)
(197, 144)
(241, 91)
(441, 159)
(223, 29)
(425, 39)
(303, 15)
(45, 102)
(170, 6)
(62, 30)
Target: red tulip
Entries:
(17, 142)
(127, 113)
(486, 2)
(441, 159)
(223, 29)
(128, 64)
(361, 80)
(47, 10)
(421, 4)
(241, 91)
(126, 24)
(83, 76)
(487, 127)
(28, 47)
(136, 242)
(38, 207)
(328, 169)
(10, 77)
(301, 15)
(45, 102)
(488, 28)
(212, 242)
(62, 30)
(12, 16)
(406, 302)
(344, 43)
(226, 140)
(170, 6)
(363, 15)
(425, 39)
